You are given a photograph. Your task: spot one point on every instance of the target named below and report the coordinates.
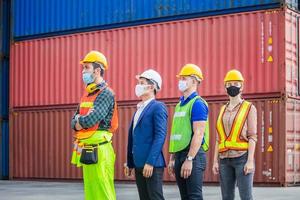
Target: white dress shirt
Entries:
(140, 107)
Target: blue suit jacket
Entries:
(145, 142)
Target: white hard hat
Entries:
(153, 76)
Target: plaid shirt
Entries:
(102, 112)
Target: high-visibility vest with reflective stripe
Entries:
(182, 130)
(87, 103)
(233, 141)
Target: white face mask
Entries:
(182, 85)
(140, 90)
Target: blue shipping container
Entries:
(4, 150)
(4, 85)
(38, 18)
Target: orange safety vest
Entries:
(233, 141)
(87, 103)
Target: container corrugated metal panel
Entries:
(47, 71)
(4, 150)
(293, 141)
(45, 135)
(292, 53)
(35, 17)
(41, 145)
(4, 85)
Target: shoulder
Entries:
(200, 104)
(159, 105)
(199, 111)
(107, 94)
(253, 109)
(252, 106)
(108, 91)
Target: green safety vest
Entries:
(182, 130)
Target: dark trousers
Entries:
(232, 173)
(190, 188)
(150, 188)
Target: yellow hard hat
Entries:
(191, 70)
(234, 75)
(95, 57)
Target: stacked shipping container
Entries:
(37, 18)
(45, 78)
(4, 82)
(46, 137)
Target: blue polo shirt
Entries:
(199, 109)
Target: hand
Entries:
(186, 169)
(147, 171)
(249, 167)
(76, 117)
(78, 127)
(128, 172)
(215, 168)
(90, 111)
(171, 166)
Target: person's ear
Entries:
(242, 87)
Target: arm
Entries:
(74, 121)
(171, 165)
(216, 152)
(129, 166)
(102, 105)
(252, 138)
(199, 117)
(251, 150)
(160, 125)
(215, 167)
(130, 162)
(198, 128)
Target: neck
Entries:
(233, 101)
(146, 97)
(188, 92)
(99, 80)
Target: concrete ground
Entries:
(40, 190)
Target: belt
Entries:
(95, 145)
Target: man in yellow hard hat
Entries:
(95, 121)
(189, 135)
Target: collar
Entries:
(185, 101)
(102, 85)
(144, 104)
(99, 87)
(235, 107)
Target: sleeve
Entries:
(160, 119)
(74, 121)
(102, 106)
(252, 123)
(199, 111)
(130, 162)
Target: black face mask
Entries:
(233, 91)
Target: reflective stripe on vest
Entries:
(233, 141)
(87, 103)
(182, 130)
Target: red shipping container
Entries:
(41, 142)
(47, 71)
